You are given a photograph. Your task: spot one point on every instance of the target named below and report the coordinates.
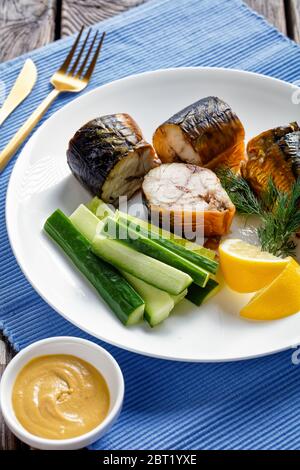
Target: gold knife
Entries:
(20, 90)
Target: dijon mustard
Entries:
(60, 396)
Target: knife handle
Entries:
(26, 128)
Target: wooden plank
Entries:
(76, 13)
(86, 12)
(25, 25)
(293, 8)
(273, 10)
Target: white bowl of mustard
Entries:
(61, 393)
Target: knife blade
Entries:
(20, 90)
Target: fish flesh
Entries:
(273, 154)
(110, 157)
(207, 133)
(188, 194)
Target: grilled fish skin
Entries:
(207, 133)
(110, 157)
(274, 153)
(188, 194)
(290, 146)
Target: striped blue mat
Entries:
(244, 405)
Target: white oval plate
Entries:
(41, 182)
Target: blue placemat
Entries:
(168, 405)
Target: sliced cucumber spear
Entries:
(158, 303)
(86, 222)
(141, 242)
(199, 260)
(124, 301)
(157, 232)
(178, 298)
(197, 295)
(100, 208)
(144, 267)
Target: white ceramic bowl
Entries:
(86, 350)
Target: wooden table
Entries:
(28, 24)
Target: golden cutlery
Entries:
(20, 90)
(67, 78)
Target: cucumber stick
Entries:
(193, 246)
(175, 239)
(93, 204)
(100, 208)
(197, 295)
(86, 222)
(144, 267)
(199, 260)
(113, 288)
(178, 298)
(158, 303)
(141, 242)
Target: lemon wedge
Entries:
(279, 299)
(246, 268)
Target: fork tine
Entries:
(89, 71)
(79, 73)
(69, 57)
(80, 53)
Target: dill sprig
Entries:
(240, 193)
(279, 211)
(281, 222)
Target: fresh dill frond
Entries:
(279, 211)
(279, 225)
(269, 197)
(240, 193)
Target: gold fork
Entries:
(73, 80)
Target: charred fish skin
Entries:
(110, 157)
(275, 154)
(290, 146)
(185, 196)
(206, 133)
